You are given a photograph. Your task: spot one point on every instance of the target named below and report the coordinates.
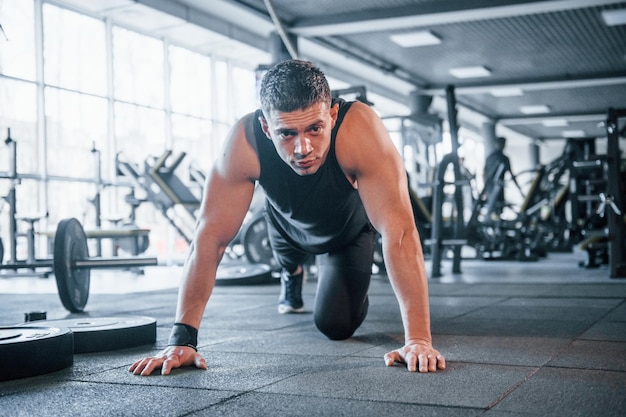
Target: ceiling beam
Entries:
(529, 86)
(573, 118)
(431, 14)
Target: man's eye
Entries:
(316, 129)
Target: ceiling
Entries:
(567, 55)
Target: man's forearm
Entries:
(408, 278)
(197, 285)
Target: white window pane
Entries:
(220, 131)
(193, 136)
(74, 122)
(220, 91)
(17, 102)
(18, 111)
(190, 89)
(74, 51)
(139, 132)
(138, 68)
(69, 199)
(17, 44)
(244, 91)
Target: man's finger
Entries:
(168, 364)
(392, 357)
(422, 362)
(432, 363)
(150, 365)
(200, 362)
(138, 367)
(132, 367)
(441, 362)
(412, 361)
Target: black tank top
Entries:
(315, 213)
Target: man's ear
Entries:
(265, 127)
(334, 111)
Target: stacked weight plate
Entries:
(34, 350)
(45, 346)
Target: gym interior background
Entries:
(88, 88)
(117, 110)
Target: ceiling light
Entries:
(536, 109)
(573, 133)
(470, 72)
(506, 92)
(411, 39)
(614, 17)
(555, 123)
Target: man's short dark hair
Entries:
(500, 142)
(293, 85)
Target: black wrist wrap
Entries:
(184, 335)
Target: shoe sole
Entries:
(285, 309)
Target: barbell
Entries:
(72, 265)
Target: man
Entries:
(327, 169)
(497, 165)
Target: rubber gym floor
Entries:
(544, 338)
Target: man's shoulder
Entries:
(356, 112)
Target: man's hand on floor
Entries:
(417, 356)
(168, 359)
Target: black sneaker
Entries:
(290, 300)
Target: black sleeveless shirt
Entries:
(315, 213)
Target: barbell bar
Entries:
(72, 265)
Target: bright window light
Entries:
(555, 123)
(411, 39)
(614, 17)
(536, 109)
(506, 92)
(470, 72)
(573, 133)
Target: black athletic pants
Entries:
(343, 280)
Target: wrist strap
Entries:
(184, 335)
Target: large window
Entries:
(191, 104)
(17, 43)
(244, 91)
(18, 112)
(139, 131)
(190, 82)
(74, 51)
(138, 68)
(75, 123)
(18, 105)
(91, 85)
(221, 94)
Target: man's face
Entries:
(302, 137)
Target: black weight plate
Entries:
(108, 333)
(256, 242)
(244, 274)
(70, 245)
(34, 350)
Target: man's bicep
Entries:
(384, 192)
(225, 205)
(367, 151)
(230, 187)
